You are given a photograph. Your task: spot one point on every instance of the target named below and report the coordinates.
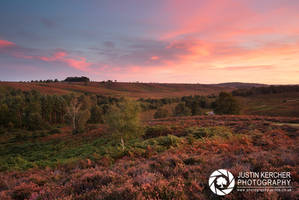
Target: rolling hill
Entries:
(135, 90)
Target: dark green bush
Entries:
(207, 132)
(169, 140)
(156, 131)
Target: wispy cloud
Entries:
(77, 62)
(257, 67)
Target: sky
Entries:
(173, 41)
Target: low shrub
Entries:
(173, 189)
(207, 132)
(168, 141)
(156, 131)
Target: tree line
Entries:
(266, 90)
(32, 110)
(224, 103)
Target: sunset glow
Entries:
(190, 41)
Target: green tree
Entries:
(3, 114)
(77, 116)
(16, 106)
(82, 119)
(96, 114)
(123, 121)
(226, 104)
(34, 121)
(182, 110)
(46, 108)
(58, 109)
(196, 108)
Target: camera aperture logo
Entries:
(221, 182)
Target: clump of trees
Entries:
(77, 79)
(150, 104)
(192, 105)
(161, 113)
(196, 103)
(45, 81)
(32, 110)
(226, 104)
(182, 110)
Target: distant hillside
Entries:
(137, 90)
(239, 85)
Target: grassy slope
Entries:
(282, 104)
(136, 90)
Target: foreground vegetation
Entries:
(172, 160)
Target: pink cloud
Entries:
(5, 43)
(226, 19)
(56, 56)
(79, 63)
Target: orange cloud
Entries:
(210, 62)
(155, 58)
(257, 67)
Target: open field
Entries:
(173, 161)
